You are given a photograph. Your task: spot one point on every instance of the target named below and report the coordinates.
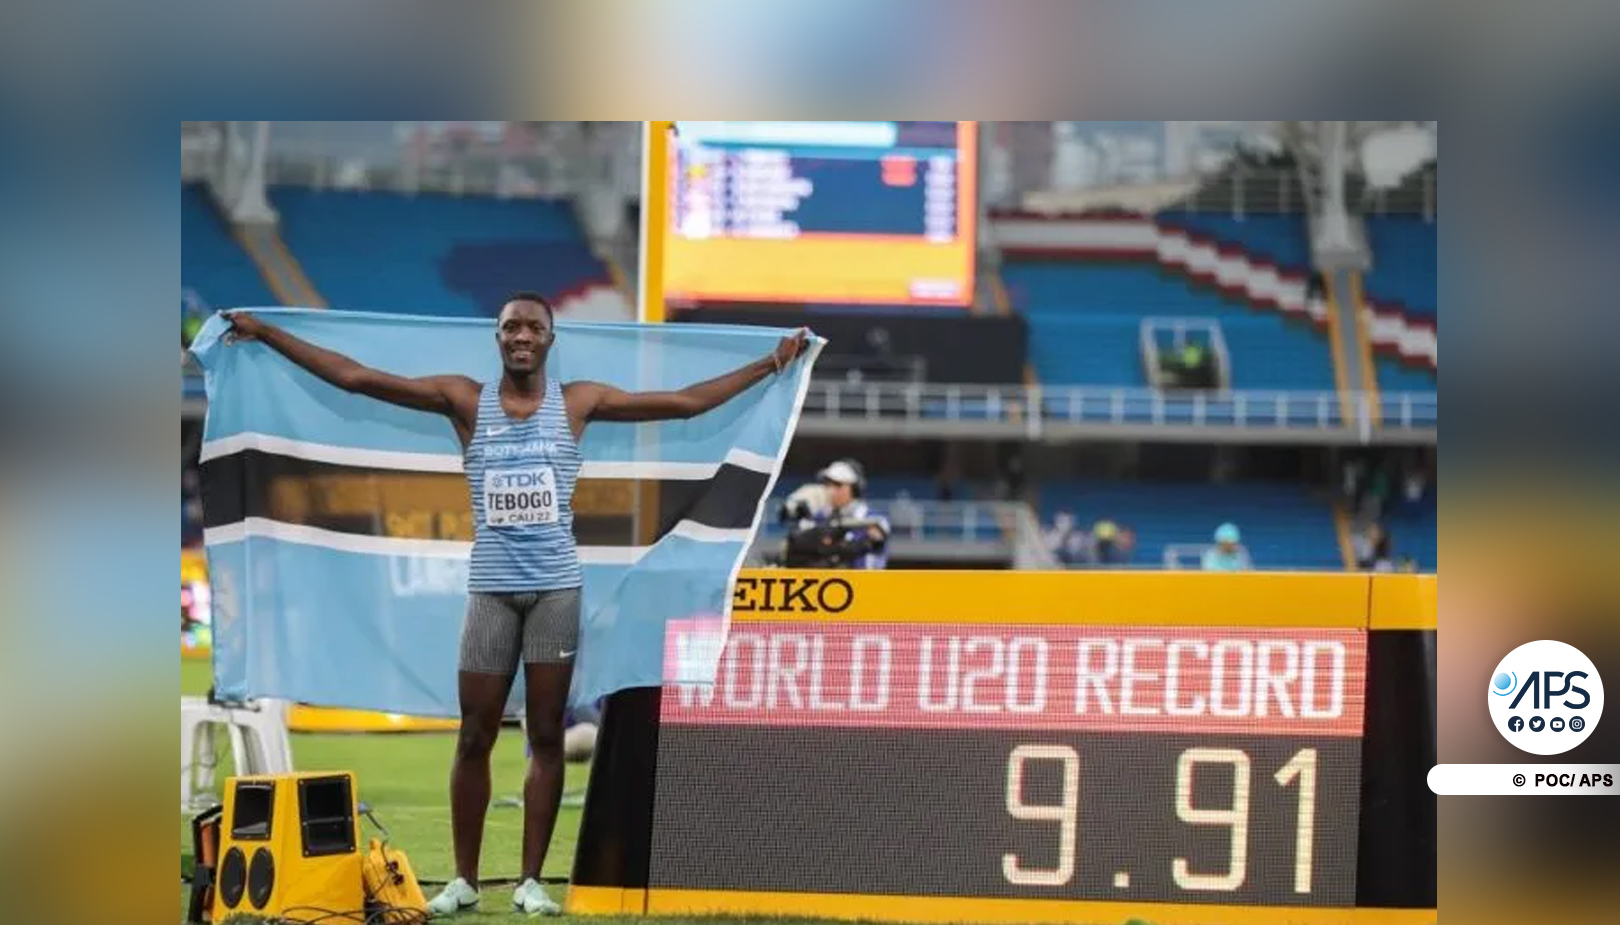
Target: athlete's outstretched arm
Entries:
(445, 395)
(596, 401)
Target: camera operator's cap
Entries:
(1228, 533)
(841, 473)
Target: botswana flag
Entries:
(338, 527)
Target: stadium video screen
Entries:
(1114, 763)
(836, 212)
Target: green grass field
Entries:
(405, 779)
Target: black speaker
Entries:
(232, 877)
(261, 877)
(289, 846)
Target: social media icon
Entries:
(1515, 723)
(1537, 724)
(1576, 724)
(1557, 724)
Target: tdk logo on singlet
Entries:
(1546, 697)
(515, 480)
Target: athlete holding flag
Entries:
(520, 440)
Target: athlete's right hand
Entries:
(243, 326)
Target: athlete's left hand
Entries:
(789, 348)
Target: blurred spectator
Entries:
(1375, 492)
(1010, 485)
(1111, 544)
(1065, 541)
(1415, 485)
(1355, 470)
(1228, 554)
(1374, 549)
(905, 514)
(1190, 367)
(190, 325)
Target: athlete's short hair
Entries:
(535, 297)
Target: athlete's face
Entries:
(524, 335)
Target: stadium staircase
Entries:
(446, 255)
(213, 263)
(262, 242)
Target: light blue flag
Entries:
(338, 527)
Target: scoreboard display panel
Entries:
(843, 212)
(1155, 763)
(1056, 747)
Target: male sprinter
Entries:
(524, 583)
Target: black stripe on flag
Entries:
(726, 501)
(434, 505)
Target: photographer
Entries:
(829, 524)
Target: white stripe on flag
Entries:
(692, 530)
(440, 549)
(332, 539)
(447, 462)
(327, 453)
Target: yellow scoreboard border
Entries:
(946, 909)
(654, 219)
(1317, 600)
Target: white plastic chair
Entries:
(259, 741)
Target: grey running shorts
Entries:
(532, 626)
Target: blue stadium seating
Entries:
(1406, 255)
(1414, 529)
(1085, 326)
(1406, 263)
(1284, 526)
(1396, 376)
(434, 255)
(212, 264)
(1280, 240)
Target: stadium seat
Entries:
(1396, 376)
(1414, 529)
(435, 255)
(1284, 526)
(1406, 264)
(212, 264)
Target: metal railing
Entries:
(936, 521)
(1035, 410)
(472, 174)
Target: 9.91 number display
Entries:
(1169, 764)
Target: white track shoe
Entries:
(457, 896)
(530, 898)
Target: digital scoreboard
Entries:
(1152, 763)
(841, 212)
(1013, 747)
